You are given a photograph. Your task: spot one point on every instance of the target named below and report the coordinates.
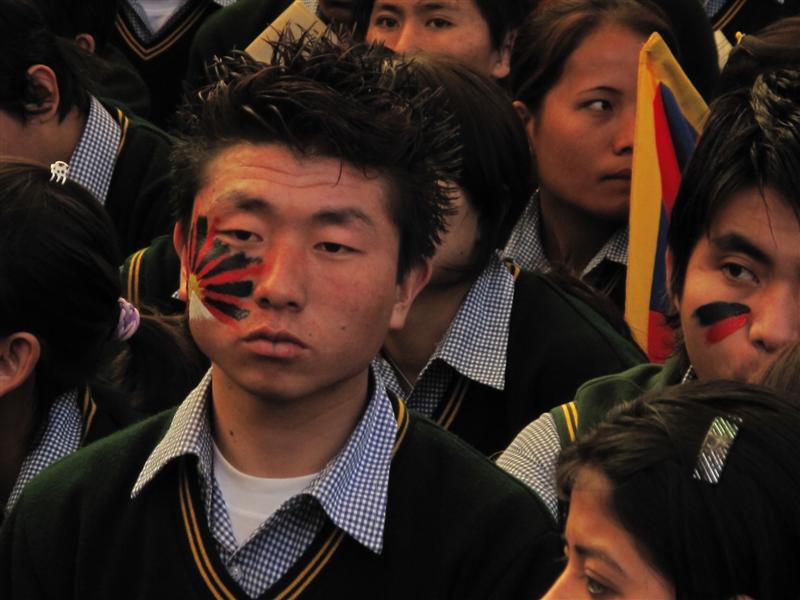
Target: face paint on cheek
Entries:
(722, 319)
(219, 279)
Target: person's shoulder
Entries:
(450, 468)
(106, 468)
(623, 386)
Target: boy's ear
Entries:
(19, 355)
(86, 41)
(502, 66)
(178, 241)
(412, 283)
(45, 81)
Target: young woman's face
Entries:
(603, 560)
(582, 134)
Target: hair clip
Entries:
(129, 320)
(59, 171)
(739, 37)
(715, 448)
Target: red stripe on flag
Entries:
(660, 338)
(667, 160)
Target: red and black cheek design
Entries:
(722, 319)
(219, 277)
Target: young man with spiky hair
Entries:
(733, 264)
(311, 204)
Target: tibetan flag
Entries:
(669, 117)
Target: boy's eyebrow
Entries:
(419, 7)
(734, 242)
(343, 216)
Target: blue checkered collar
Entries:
(353, 487)
(476, 343)
(59, 436)
(138, 21)
(92, 162)
(525, 244)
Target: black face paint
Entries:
(722, 319)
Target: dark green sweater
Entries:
(456, 527)
(596, 398)
(556, 343)
(138, 196)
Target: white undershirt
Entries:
(159, 11)
(252, 500)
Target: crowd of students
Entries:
(348, 322)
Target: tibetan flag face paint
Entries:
(220, 279)
(722, 319)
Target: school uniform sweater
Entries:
(161, 58)
(456, 527)
(555, 344)
(138, 195)
(533, 455)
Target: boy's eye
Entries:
(439, 24)
(386, 22)
(334, 248)
(595, 588)
(737, 272)
(240, 235)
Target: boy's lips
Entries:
(273, 344)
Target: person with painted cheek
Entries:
(690, 492)
(311, 199)
(479, 33)
(487, 347)
(62, 321)
(733, 266)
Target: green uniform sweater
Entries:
(138, 196)
(555, 344)
(596, 398)
(162, 61)
(456, 527)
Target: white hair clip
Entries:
(715, 448)
(59, 171)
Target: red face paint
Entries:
(220, 278)
(722, 319)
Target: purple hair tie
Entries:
(128, 320)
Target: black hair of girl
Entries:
(772, 47)
(59, 268)
(724, 540)
(555, 29)
(496, 174)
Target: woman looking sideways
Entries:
(573, 78)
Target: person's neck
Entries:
(431, 314)
(60, 138)
(570, 236)
(288, 438)
(17, 428)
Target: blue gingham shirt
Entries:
(136, 18)
(525, 245)
(351, 490)
(93, 160)
(475, 344)
(59, 436)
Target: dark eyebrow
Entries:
(424, 7)
(344, 216)
(589, 552)
(734, 242)
(244, 202)
(602, 88)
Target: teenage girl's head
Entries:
(573, 78)
(772, 47)
(60, 283)
(646, 517)
(495, 182)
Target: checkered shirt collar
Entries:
(138, 21)
(92, 162)
(59, 436)
(526, 248)
(476, 343)
(352, 489)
